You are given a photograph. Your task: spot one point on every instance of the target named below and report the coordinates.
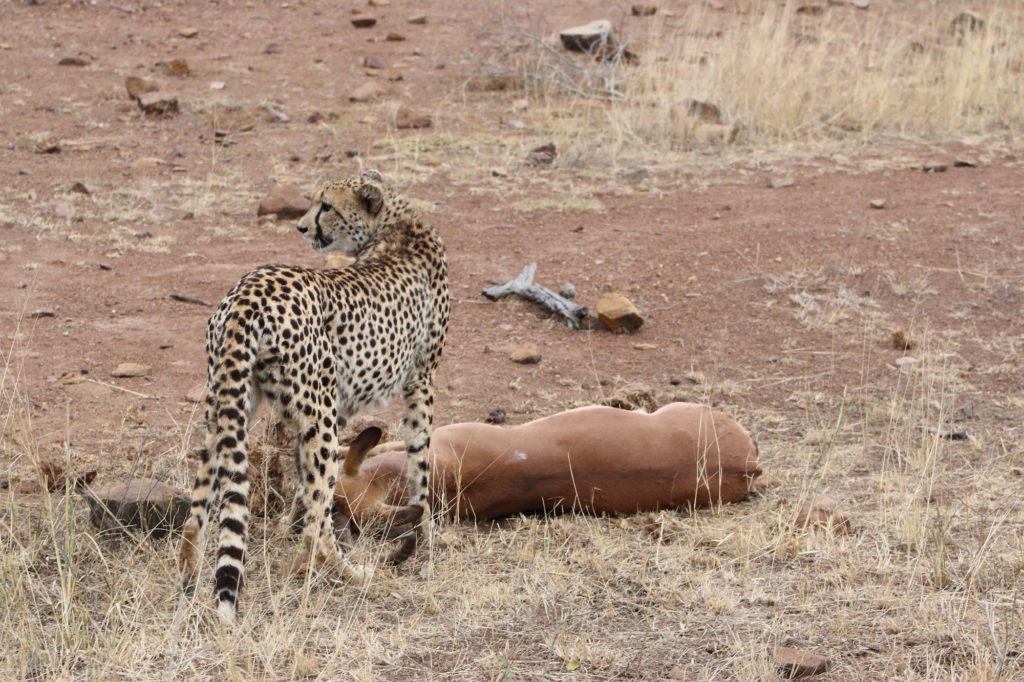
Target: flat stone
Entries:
(878, 203)
(586, 37)
(158, 103)
(137, 87)
(138, 504)
(527, 354)
(617, 313)
(82, 188)
(823, 512)
(406, 118)
(934, 167)
(418, 19)
(73, 61)
(965, 163)
(367, 92)
(780, 182)
(363, 21)
(394, 37)
(374, 63)
(131, 369)
(284, 201)
(861, 4)
(188, 32)
(905, 361)
(41, 313)
(794, 663)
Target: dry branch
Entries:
(523, 286)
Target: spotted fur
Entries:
(320, 346)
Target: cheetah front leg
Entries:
(416, 428)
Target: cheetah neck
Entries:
(406, 237)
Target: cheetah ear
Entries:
(373, 174)
(372, 198)
(357, 450)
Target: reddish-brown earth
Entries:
(721, 266)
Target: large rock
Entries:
(617, 313)
(138, 504)
(284, 201)
(794, 663)
(586, 37)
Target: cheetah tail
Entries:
(234, 395)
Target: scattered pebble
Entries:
(418, 19)
(374, 63)
(137, 87)
(366, 92)
(131, 369)
(158, 104)
(394, 37)
(780, 182)
(617, 313)
(363, 21)
(965, 163)
(527, 354)
(934, 167)
(878, 203)
(497, 416)
(188, 32)
(43, 312)
(543, 155)
(73, 61)
(567, 290)
(644, 9)
(905, 361)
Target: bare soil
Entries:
(778, 305)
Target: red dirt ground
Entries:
(714, 270)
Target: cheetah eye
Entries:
(324, 206)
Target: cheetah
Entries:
(321, 345)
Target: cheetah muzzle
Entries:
(320, 346)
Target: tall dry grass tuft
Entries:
(907, 70)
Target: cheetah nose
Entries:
(302, 228)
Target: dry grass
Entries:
(780, 76)
(928, 586)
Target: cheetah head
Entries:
(347, 215)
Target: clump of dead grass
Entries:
(779, 76)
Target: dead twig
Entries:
(523, 286)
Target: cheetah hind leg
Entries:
(194, 533)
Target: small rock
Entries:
(516, 124)
(158, 104)
(794, 663)
(379, 3)
(811, 10)
(418, 19)
(82, 188)
(495, 82)
(47, 147)
(497, 416)
(407, 118)
(779, 182)
(43, 312)
(176, 67)
(394, 75)
(374, 63)
(277, 115)
(367, 92)
(363, 21)
(527, 354)
(905, 361)
(934, 167)
(705, 111)
(140, 504)
(567, 290)
(272, 48)
(586, 37)
(901, 342)
(822, 512)
(543, 155)
(644, 9)
(137, 87)
(394, 37)
(878, 203)
(645, 346)
(218, 85)
(617, 313)
(188, 32)
(861, 4)
(352, 153)
(73, 61)
(196, 394)
(24, 171)
(131, 369)
(715, 134)
(965, 163)
(284, 201)
(315, 117)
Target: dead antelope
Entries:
(597, 460)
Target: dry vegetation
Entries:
(930, 583)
